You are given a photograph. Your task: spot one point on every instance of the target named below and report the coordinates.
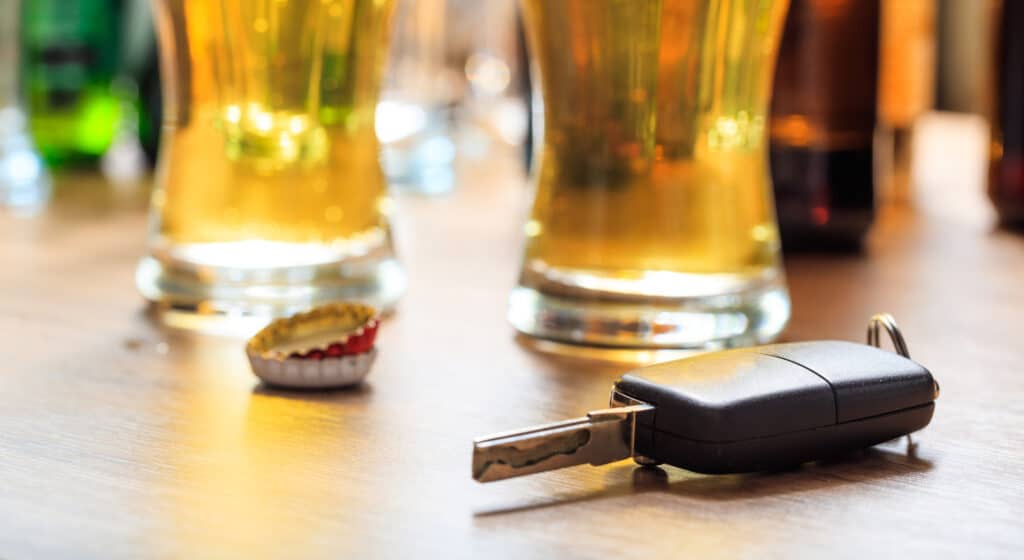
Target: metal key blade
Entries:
(602, 436)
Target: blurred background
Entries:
(80, 80)
(80, 90)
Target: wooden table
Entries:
(122, 438)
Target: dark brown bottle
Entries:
(1006, 170)
(824, 112)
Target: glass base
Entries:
(753, 311)
(240, 295)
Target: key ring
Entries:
(895, 335)
(888, 322)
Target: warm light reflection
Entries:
(257, 254)
(487, 73)
(250, 466)
(794, 130)
(626, 356)
(396, 120)
(655, 283)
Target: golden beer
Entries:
(653, 222)
(270, 196)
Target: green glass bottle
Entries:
(70, 57)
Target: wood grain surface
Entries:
(123, 438)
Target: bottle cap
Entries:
(328, 346)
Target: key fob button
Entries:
(867, 381)
(730, 396)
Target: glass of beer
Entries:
(653, 224)
(269, 195)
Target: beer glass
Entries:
(269, 193)
(653, 223)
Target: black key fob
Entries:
(776, 406)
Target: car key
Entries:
(751, 409)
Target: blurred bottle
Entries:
(150, 108)
(824, 112)
(70, 55)
(139, 70)
(1006, 170)
(906, 88)
(23, 180)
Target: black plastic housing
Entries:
(776, 406)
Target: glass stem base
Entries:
(755, 314)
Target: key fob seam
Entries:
(835, 397)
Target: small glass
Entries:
(422, 87)
(269, 196)
(24, 182)
(653, 223)
(450, 93)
